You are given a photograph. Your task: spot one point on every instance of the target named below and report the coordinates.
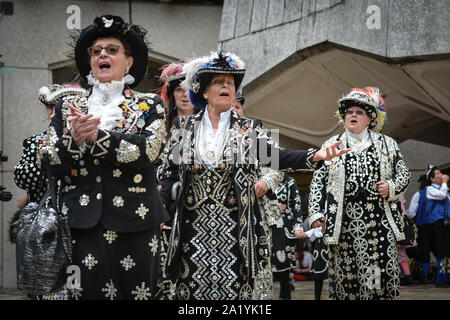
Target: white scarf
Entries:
(105, 100)
(358, 142)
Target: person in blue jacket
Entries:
(431, 213)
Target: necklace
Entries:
(106, 99)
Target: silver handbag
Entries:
(43, 246)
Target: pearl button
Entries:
(138, 178)
(99, 196)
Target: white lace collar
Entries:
(358, 142)
(105, 101)
(108, 86)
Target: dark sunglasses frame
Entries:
(111, 49)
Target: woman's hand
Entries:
(317, 223)
(84, 127)
(282, 207)
(261, 188)
(22, 201)
(383, 189)
(300, 234)
(330, 152)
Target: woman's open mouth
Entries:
(104, 65)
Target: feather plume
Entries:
(235, 61)
(190, 69)
(169, 71)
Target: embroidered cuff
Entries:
(100, 147)
(310, 155)
(69, 142)
(392, 194)
(154, 142)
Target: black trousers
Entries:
(432, 238)
(283, 277)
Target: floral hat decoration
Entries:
(50, 94)
(368, 98)
(171, 75)
(113, 26)
(199, 73)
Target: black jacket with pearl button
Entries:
(113, 180)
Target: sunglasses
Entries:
(110, 49)
(358, 112)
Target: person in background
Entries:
(176, 100)
(432, 210)
(28, 175)
(283, 237)
(239, 104)
(403, 258)
(319, 268)
(414, 252)
(355, 199)
(174, 96)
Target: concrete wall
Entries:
(35, 37)
(275, 29)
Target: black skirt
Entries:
(283, 251)
(114, 265)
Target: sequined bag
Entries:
(43, 246)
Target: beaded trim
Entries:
(226, 71)
(173, 78)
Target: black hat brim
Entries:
(206, 75)
(345, 104)
(173, 84)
